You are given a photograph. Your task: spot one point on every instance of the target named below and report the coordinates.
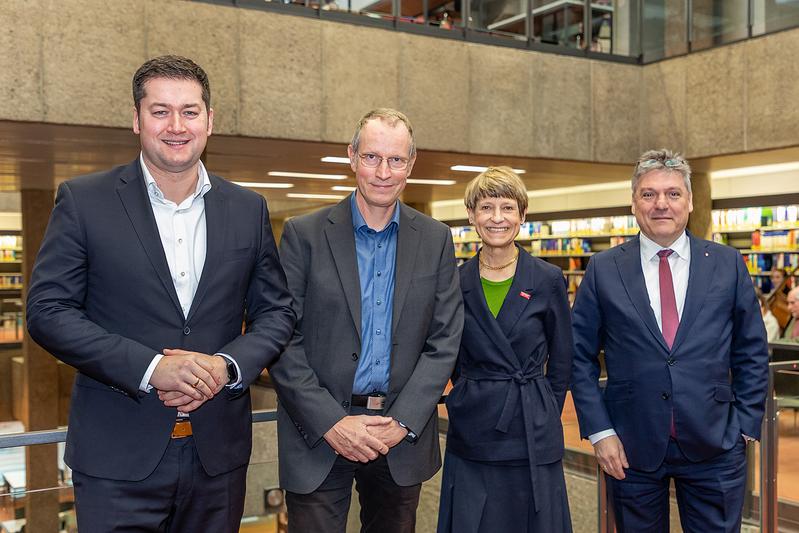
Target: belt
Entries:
(523, 383)
(374, 402)
(182, 428)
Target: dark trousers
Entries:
(710, 494)
(385, 506)
(178, 497)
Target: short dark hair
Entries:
(172, 67)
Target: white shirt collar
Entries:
(681, 247)
(203, 183)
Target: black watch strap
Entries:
(232, 374)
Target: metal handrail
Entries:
(54, 436)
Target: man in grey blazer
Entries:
(379, 324)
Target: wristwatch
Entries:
(232, 374)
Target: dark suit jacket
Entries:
(102, 300)
(713, 379)
(315, 374)
(502, 389)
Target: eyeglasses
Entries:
(671, 163)
(374, 161)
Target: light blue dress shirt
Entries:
(377, 257)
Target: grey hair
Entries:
(662, 159)
(390, 116)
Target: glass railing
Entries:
(43, 497)
(625, 30)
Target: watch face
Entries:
(231, 372)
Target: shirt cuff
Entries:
(237, 383)
(747, 438)
(596, 437)
(145, 386)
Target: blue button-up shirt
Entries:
(377, 257)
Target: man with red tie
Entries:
(686, 359)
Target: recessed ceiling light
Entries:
(282, 174)
(761, 169)
(257, 185)
(335, 159)
(345, 188)
(471, 168)
(417, 181)
(315, 196)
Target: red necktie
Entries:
(668, 304)
(669, 318)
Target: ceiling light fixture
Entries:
(259, 185)
(344, 188)
(315, 196)
(751, 171)
(335, 159)
(472, 168)
(281, 174)
(417, 181)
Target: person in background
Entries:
(791, 332)
(686, 357)
(777, 279)
(772, 326)
(380, 316)
(502, 468)
(145, 276)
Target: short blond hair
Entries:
(391, 117)
(496, 182)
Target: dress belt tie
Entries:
(526, 380)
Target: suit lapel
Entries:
(515, 303)
(632, 277)
(341, 240)
(474, 299)
(407, 246)
(133, 193)
(216, 218)
(700, 275)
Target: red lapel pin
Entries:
(525, 295)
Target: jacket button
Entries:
(354, 356)
(345, 404)
(665, 395)
(671, 361)
(186, 330)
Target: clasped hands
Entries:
(362, 437)
(187, 380)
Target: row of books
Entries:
(765, 263)
(775, 240)
(755, 217)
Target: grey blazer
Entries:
(315, 374)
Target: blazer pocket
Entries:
(236, 254)
(723, 393)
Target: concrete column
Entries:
(700, 223)
(40, 379)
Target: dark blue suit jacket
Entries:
(102, 300)
(714, 378)
(505, 405)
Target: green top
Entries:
(495, 292)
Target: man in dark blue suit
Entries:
(686, 358)
(144, 278)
